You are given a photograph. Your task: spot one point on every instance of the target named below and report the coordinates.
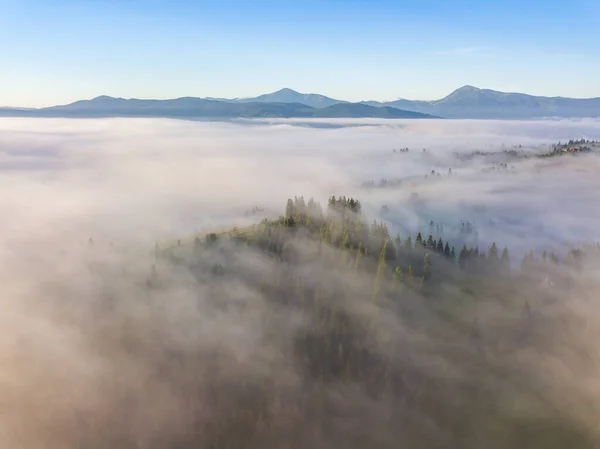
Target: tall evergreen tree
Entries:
(505, 260)
(440, 246)
(430, 243)
(358, 257)
(419, 239)
(426, 268)
(381, 270)
(289, 209)
(399, 275)
(462, 257)
(410, 277)
(493, 253)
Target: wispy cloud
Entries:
(463, 51)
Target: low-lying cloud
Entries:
(90, 359)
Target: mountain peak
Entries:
(286, 90)
(467, 88)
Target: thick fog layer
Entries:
(155, 179)
(91, 359)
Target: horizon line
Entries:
(210, 98)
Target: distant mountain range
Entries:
(189, 107)
(465, 102)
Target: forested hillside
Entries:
(374, 340)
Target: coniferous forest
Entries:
(375, 340)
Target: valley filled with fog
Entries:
(145, 180)
(142, 309)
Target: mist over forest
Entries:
(179, 284)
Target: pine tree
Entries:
(345, 246)
(505, 261)
(440, 246)
(408, 244)
(447, 250)
(289, 209)
(381, 269)
(430, 243)
(397, 243)
(426, 268)
(493, 253)
(419, 240)
(399, 275)
(358, 257)
(462, 257)
(410, 276)
(453, 255)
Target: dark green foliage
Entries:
(419, 239)
(430, 243)
(440, 246)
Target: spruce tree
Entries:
(462, 257)
(289, 209)
(419, 239)
(426, 268)
(410, 276)
(398, 275)
(493, 253)
(505, 261)
(397, 241)
(440, 246)
(447, 250)
(430, 243)
(381, 269)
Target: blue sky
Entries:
(58, 51)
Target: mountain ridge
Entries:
(194, 108)
(466, 102)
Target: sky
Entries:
(59, 51)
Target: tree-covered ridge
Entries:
(572, 147)
(499, 160)
(412, 260)
(397, 333)
(557, 149)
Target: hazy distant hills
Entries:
(291, 96)
(189, 107)
(471, 102)
(466, 102)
